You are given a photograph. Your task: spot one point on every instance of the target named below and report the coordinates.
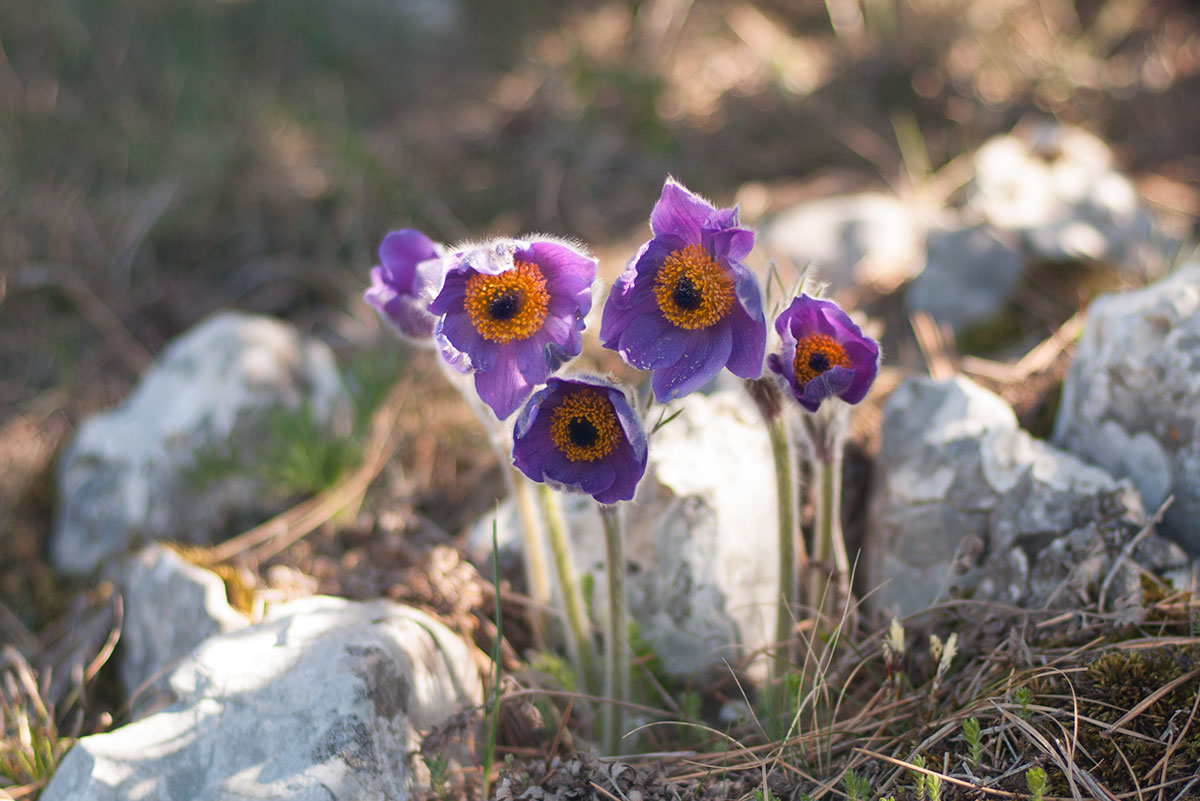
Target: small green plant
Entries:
(30, 745)
(918, 778)
(437, 766)
(1035, 780)
(858, 788)
(762, 794)
(1023, 696)
(933, 785)
(971, 733)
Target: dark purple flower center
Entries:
(582, 432)
(584, 427)
(687, 295)
(504, 306)
(818, 363)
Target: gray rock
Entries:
(1131, 399)
(325, 699)
(127, 475)
(968, 278)
(171, 606)
(1058, 188)
(700, 540)
(868, 239)
(966, 504)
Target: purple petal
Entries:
(503, 388)
(734, 244)
(800, 318)
(680, 213)
(461, 333)
(832, 382)
(401, 251)
(531, 358)
(628, 469)
(404, 314)
(620, 312)
(567, 272)
(721, 219)
(454, 289)
(749, 343)
(707, 354)
(651, 341)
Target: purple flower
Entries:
(824, 353)
(512, 311)
(408, 278)
(581, 434)
(686, 306)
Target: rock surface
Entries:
(1131, 399)
(170, 607)
(1058, 188)
(969, 275)
(868, 239)
(325, 699)
(700, 540)
(966, 504)
(125, 477)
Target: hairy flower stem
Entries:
(536, 574)
(831, 587)
(537, 578)
(579, 638)
(786, 597)
(616, 652)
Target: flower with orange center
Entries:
(582, 434)
(510, 305)
(824, 353)
(511, 312)
(686, 306)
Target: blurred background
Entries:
(163, 159)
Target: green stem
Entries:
(829, 550)
(579, 639)
(616, 659)
(784, 490)
(536, 574)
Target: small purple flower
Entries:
(512, 312)
(686, 306)
(581, 434)
(824, 353)
(408, 278)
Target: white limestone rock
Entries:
(700, 539)
(966, 504)
(1131, 399)
(1058, 188)
(125, 477)
(866, 240)
(969, 276)
(325, 699)
(170, 607)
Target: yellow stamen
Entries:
(508, 306)
(584, 427)
(816, 354)
(693, 291)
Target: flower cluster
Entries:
(511, 312)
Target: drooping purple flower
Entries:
(686, 306)
(408, 277)
(824, 353)
(511, 311)
(581, 434)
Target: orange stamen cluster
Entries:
(509, 306)
(816, 354)
(693, 291)
(584, 427)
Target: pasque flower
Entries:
(824, 353)
(581, 433)
(686, 306)
(511, 311)
(408, 277)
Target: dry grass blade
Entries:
(279, 532)
(936, 344)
